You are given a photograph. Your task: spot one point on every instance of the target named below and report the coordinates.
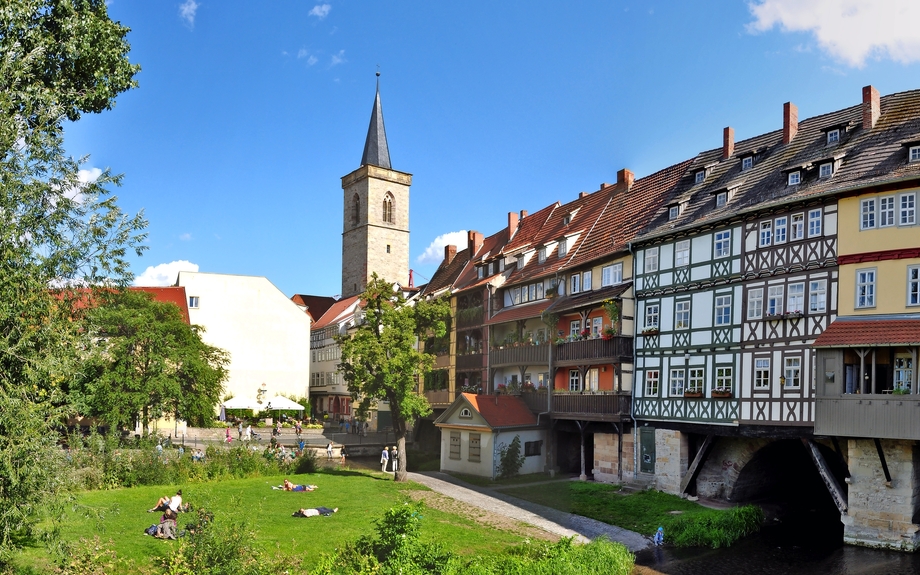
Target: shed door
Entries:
(647, 449)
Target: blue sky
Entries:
(249, 113)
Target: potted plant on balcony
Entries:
(528, 386)
(501, 388)
(585, 333)
(693, 392)
(650, 330)
(791, 314)
(722, 392)
(608, 333)
(612, 309)
(550, 293)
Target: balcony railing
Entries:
(522, 355)
(593, 406)
(469, 361)
(885, 416)
(594, 349)
(442, 397)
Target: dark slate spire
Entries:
(376, 152)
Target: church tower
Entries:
(375, 236)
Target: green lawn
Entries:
(360, 496)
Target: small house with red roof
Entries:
(475, 428)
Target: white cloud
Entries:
(185, 237)
(320, 11)
(164, 274)
(434, 253)
(187, 11)
(338, 58)
(849, 30)
(302, 53)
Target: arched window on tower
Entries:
(388, 208)
(356, 210)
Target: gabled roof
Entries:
(522, 311)
(499, 411)
(588, 298)
(445, 277)
(337, 312)
(871, 332)
(376, 151)
(171, 294)
(316, 305)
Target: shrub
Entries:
(510, 458)
(715, 528)
(306, 463)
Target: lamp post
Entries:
(782, 381)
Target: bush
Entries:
(306, 463)
(510, 458)
(715, 528)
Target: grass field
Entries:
(360, 496)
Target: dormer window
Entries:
(833, 136)
(501, 264)
(563, 247)
(826, 170)
(567, 219)
(541, 255)
(673, 212)
(914, 154)
(480, 272)
(700, 176)
(465, 413)
(747, 163)
(721, 199)
(795, 178)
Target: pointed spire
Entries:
(376, 152)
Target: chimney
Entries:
(604, 185)
(449, 253)
(523, 214)
(582, 194)
(790, 121)
(624, 176)
(512, 223)
(870, 107)
(473, 242)
(728, 142)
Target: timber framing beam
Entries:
(837, 494)
(694, 470)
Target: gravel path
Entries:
(546, 518)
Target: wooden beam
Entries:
(697, 464)
(837, 494)
(881, 457)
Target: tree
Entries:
(381, 359)
(147, 362)
(58, 60)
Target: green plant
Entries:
(306, 463)
(715, 528)
(510, 458)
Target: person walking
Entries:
(249, 432)
(384, 459)
(366, 425)
(329, 451)
(395, 457)
(240, 430)
(227, 435)
(347, 426)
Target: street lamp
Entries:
(782, 381)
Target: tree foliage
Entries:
(147, 362)
(381, 359)
(58, 60)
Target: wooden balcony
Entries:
(615, 350)
(469, 317)
(589, 406)
(883, 416)
(522, 355)
(440, 398)
(442, 361)
(470, 362)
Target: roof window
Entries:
(700, 176)
(795, 178)
(721, 199)
(826, 170)
(747, 163)
(673, 212)
(833, 136)
(914, 154)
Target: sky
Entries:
(248, 114)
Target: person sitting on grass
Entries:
(314, 511)
(167, 527)
(166, 502)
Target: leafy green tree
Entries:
(381, 359)
(58, 60)
(147, 362)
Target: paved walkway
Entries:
(546, 518)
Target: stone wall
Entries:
(881, 514)
(606, 469)
(671, 459)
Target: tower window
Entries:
(388, 248)
(388, 208)
(356, 210)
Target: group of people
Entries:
(387, 456)
(353, 427)
(171, 507)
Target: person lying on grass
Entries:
(166, 502)
(314, 511)
(288, 486)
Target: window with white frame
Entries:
(652, 377)
(193, 301)
(794, 178)
(575, 284)
(682, 253)
(724, 380)
(700, 176)
(673, 212)
(723, 310)
(885, 211)
(677, 382)
(563, 247)
(865, 288)
(480, 272)
(766, 233)
(723, 243)
(775, 300)
(575, 327)
(652, 313)
(797, 227)
(682, 314)
(833, 136)
(793, 369)
(913, 285)
(721, 199)
(817, 296)
(903, 371)
(591, 380)
(826, 170)
(755, 303)
(914, 154)
(747, 163)
(651, 260)
(762, 373)
(696, 378)
(795, 302)
(586, 280)
(574, 380)
(867, 209)
(814, 223)
(541, 255)
(779, 230)
(612, 274)
(567, 219)
(597, 324)
(908, 210)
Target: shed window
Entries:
(474, 446)
(455, 445)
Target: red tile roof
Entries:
(524, 311)
(853, 332)
(501, 410)
(334, 312)
(316, 305)
(171, 294)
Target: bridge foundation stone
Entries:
(606, 450)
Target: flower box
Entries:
(793, 314)
(693, 394)
(721, 394)
(652, 331)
